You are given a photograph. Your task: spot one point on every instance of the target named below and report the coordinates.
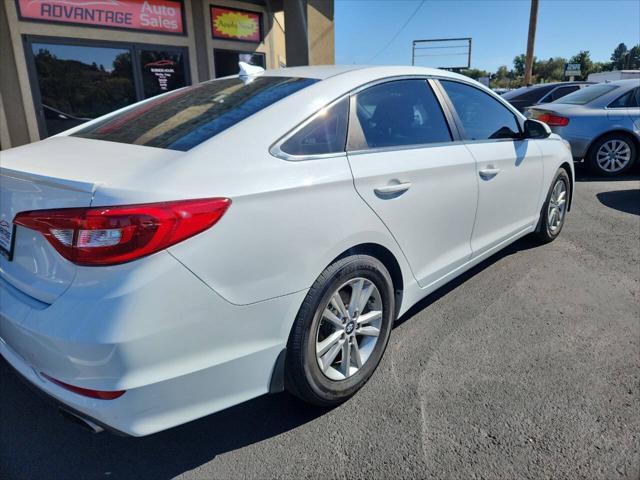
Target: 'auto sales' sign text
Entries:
(155, 15)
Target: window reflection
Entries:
(187, 117)
(78, 83)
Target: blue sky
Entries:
(498, 28)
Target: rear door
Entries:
(509, 169)
(413, 172)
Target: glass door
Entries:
(226, 61)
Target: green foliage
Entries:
(586, 64)
(617, 57)
(552, 70)
(633, 60)
(474, 73)
(84, 90)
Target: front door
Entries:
(419, 182)
(509, 168)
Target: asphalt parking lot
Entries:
(526, 367)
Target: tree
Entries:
(633, 60)
(551, 70)
(618, 56)
(518, 64)
(584, 59)
(474, 73)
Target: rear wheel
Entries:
(341, 331)
(554, 209)
(612, 155)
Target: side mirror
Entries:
(536, 129)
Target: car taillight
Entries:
(119, 234)
(553, 120)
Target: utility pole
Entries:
(533, 20)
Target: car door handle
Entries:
(393, 188)
(489, 172)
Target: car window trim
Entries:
(355, 136)
(520, 119)
(277, 151)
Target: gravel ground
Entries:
(526, 367)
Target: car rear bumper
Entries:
(579, 145)
(178, 349)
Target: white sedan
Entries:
(256, 233)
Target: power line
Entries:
(399, 31)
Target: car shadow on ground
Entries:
(627, 201)
(523, 244)
(583, 174)
(36, 442)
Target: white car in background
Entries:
(255, 233)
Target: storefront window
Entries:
(162, 71)
(78, 83)
(226, 61)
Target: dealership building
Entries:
(63, 62)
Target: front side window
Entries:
(400, 113)
(183, 119)
(482, 117)
(325, 133)
(631, 99)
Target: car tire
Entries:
(622, 149)
(315, 369)
(554, 209)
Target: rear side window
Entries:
(588, 94)
(185, 118)
(400, 113)
(482, 116)
(527, 94)
(561, 92)
(325, 133)
(631, 99)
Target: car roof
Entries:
(627, 82)
(322, 72)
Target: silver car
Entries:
(602, 124)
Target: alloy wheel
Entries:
(349, 328)
(557, 206)
(613, 155)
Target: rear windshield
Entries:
(586, 95)
(190, 116)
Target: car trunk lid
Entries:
(62, 172)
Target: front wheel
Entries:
(554, 209)
(341, 331)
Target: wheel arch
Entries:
(567, 168)
(627, 133)
(387, 258)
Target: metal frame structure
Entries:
(467, 40)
